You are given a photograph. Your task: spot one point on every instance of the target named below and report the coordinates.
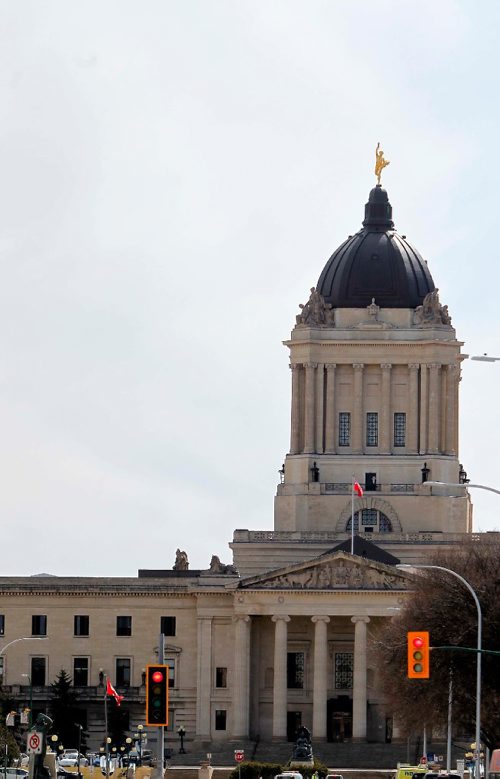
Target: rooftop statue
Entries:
(316, 311)
(380, 162)
(181, 561)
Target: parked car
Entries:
(14, 773)
(70, 758)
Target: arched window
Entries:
(372, 518)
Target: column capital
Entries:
(434, 366)
(330, 366)
(241, 618)
(319, 618)
(360, 619)
(279, 617)
(414, 366)
(310, 365)
(294, 366)
(358, 366)
(386, 366)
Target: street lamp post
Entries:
(453, 484)
(478, 652)
(80, 728)
(181, 730)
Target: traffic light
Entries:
(418, 654)
(157, 695)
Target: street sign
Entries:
(35, 742)
(239, 755)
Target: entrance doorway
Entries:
(339, 719)
(293, 723)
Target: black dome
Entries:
(376, 263)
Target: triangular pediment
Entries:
(335, 571)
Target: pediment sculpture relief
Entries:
(316, 311)
(337, 575)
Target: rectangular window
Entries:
(372, 429)
(123, 672)
(167, 626)
(295, 670)
(2, 624)
(399, 429)
(38, 671)
(171, 672)
(344, 428)
(39, 625)
(80, 671)
(220, 719)
(1, 669)
(124, 626)
(81, 625)
(221, 677)
(343, 670)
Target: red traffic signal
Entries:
(157, 695)
(418, 654)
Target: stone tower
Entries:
(375, 375)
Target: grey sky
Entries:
(173, 177)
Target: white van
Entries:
(289, 775)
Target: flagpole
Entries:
(106, 745)
(352, 515)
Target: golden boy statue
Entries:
(380, 163)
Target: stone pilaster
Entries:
(452, 372)
(320, 412)
(295, 422)
(413, 416)
(241, 697)
(331, 411)
(320, 683)
(359, 697)
(385, 411)
(309, 443)
(358, 416)
(434, 398)
(204, 678)
(424, 401)
(280, 688)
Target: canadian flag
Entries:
(110, 690)
(358, 489)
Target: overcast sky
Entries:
(173, 177)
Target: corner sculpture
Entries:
(302, 752)
(431, 312)
(181, 561)
(217, 567)
(380, 162)
(316, 311)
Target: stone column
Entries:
(413, 419)
(434, 417)
(280, 689)
(241, 696)
(320, 682)
(295, 424)
(204, 678)
(320, 388)
(385, 415)
(359, 699)
(358, 419)
(330, 447)
(424, 399)
(452, 372)
(309, 445)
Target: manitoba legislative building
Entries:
(282, 635)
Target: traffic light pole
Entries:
(161, 751)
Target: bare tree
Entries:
(442, 605)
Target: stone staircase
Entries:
(334, 755)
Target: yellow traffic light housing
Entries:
(418, 654)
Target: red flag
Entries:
(110, 690)
(358, 489)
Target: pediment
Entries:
(337, 571)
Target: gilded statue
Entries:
(380, 162)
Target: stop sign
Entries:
(239, 755)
